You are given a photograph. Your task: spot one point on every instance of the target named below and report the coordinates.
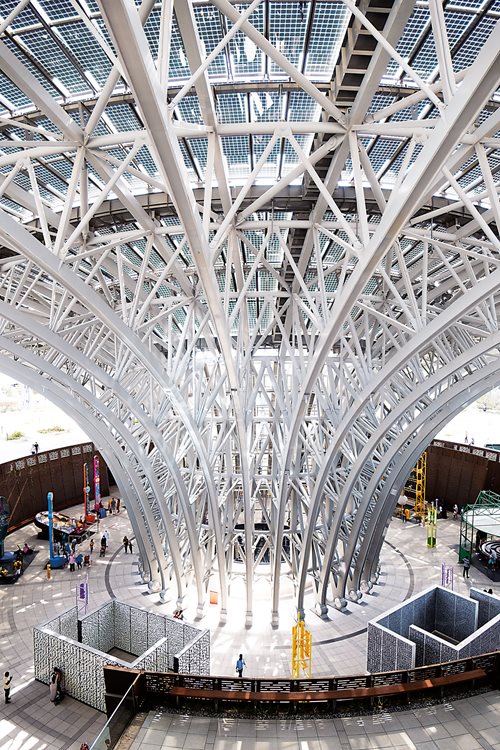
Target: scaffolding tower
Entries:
(301, 650)
(415, 486)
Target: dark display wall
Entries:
(456, 473)
(26, 481)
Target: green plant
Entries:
(16, 435)
(55, 428)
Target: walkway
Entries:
(31, 722)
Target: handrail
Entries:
(156, 686)
(162, 681)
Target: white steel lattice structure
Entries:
(253, 249)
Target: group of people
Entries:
(114, 505)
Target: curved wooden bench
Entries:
(376, 691)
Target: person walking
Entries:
(7, 681)
(130, 545)
(240, 664)
(71, 563)
(125, 543)
(466, 567)
(91, 545)
(455, 512)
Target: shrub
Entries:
(16, 435)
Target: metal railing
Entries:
(158, 684)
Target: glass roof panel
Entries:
(236, 151)
(246, 58)
(63, 166)
(274, 250)
(14, 97)
(144, 159)
(178, 63)
(418, 23)
(471, 177)
(383, 150)
(287, 27)
(26, 17)
(187, 158)
(266, 107)
(47, 52)
(426, 60)
(327, 32)
(188, 110)
(50, 179)
(456, 23)
(199, 149)
(396, 164)
(46, 124)
(270, 168)
(302, 107)
(21, 55)
(15, 207)
(469, 50)
(290, 156)
(152, 31)
(123, 117)
(92, 5)
(83, 45)
(57, 9)
(101, 128)
(380, 101)
(103, 30)
(209, 29)
(231, 107)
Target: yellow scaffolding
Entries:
(416, 486)
(301, 650)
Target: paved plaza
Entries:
(32, 722)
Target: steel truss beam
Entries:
(251, 352)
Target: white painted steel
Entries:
(260, 317)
